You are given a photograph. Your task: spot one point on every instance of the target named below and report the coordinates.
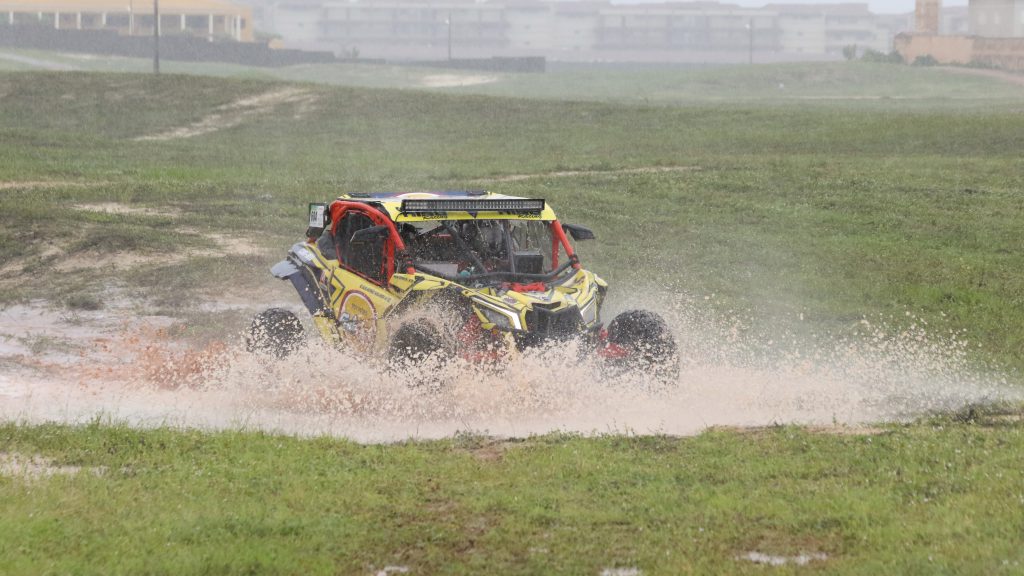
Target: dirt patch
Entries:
(578, 173)
(119, 261)
(770, 560)
(456, 80)
(234, 245)
(621, 572)
(237, 112)
(118, 208)
(36, 467)
(126, 260)
(217, 245)
(489, 449)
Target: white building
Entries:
(583, 30)
(997, 18)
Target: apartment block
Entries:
(581, 30)
(211, 19)
(997, 18)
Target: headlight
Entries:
(505, 320)
(589, 312)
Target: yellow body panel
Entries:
(363, 308)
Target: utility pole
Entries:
(750, 27)
(156, 36)
(449, 35)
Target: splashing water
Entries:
(730, 376)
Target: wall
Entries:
(1005, 53)
(945, 49)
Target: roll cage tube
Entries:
(559, 237)
(338, 210)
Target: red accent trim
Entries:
(476, 344)
(559, 236)
(365, 298)
(609, 350)
(612, 351)
(338, 209)
(517, 287)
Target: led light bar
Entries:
(439, 205)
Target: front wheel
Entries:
(647, 344)
(414, 342)
(276, 331)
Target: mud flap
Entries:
(284, 269)
(288, 270)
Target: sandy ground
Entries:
(122, 365)
(455, 80)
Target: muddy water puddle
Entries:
(56, 366)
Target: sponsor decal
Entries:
(358, 316)
(374, 291)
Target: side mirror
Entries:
(579, 232)
(369, 235)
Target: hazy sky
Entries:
(879, 6)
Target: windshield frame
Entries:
(559, 240)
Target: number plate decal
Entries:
(317, 215)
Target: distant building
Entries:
(828, 28)
(994, 36)
(211, 19)
(581, 30)
(955, 20)
(997, 18)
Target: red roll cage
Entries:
(396, 246)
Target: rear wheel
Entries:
(649, 343)
(276, 331)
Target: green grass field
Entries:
(807, 211)
(939, 497)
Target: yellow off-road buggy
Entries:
(477, 275)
